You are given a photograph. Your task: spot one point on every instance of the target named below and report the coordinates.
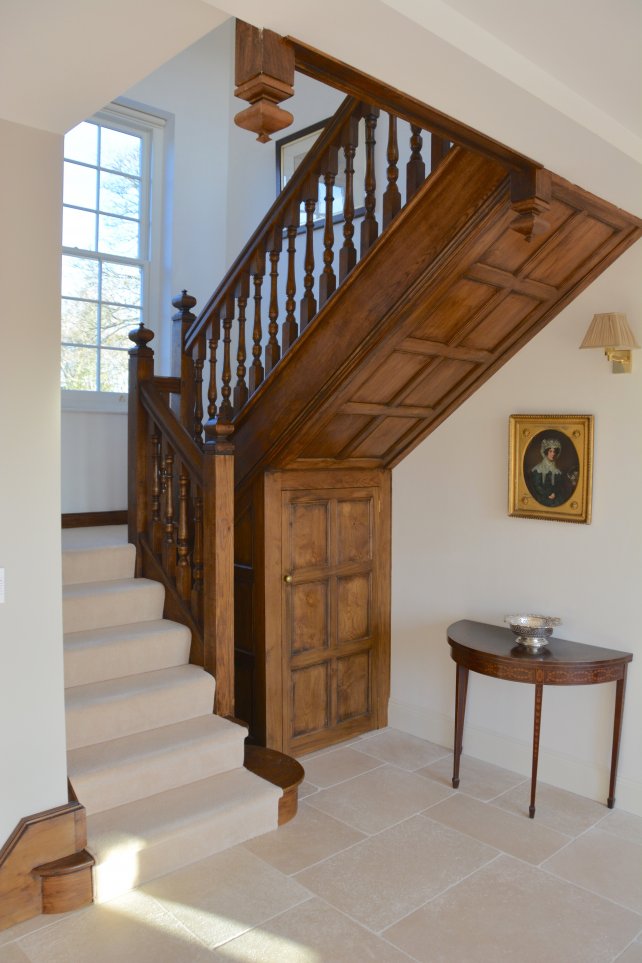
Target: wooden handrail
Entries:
(184, 446)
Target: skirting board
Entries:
(555, 768)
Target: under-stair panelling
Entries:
(160, 776)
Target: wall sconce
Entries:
(612, 332)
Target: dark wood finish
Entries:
(240, 389)
(282, 771)
(290, 330)
(141, 370)
(415, 168)
(264, 76)
(182, 362)
(343, 77)
(27, 875)
(328, 281)
(308, 301)
(493, 651)
(316, 646)
(391, 197)
(89, 519)
(369, 225)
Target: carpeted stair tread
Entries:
(94, 559)
(114, 708)
(119, 771)
(93, 605)
(115, 651)
(156, 835)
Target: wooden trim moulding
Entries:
(44, 866)
(87, 519)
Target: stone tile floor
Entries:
(384, 862)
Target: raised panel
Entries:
(308, 534)
(443, 377)
(501, 322)
(309, 616)
(511, 251)
(353, 608)
(353, 686)
(386, 434)
(385, 381)
(463, 300)
(337, 433)
(564, 257)
(310, 705)
(354, 530)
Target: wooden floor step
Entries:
(67, 882)
(282, 771)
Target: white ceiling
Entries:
(583, 57)
(62, 59)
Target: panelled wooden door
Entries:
(334, 603)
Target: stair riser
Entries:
(114, 660)
(139, 604)
(108, 788)
(127, 868)
(101, 721)
(98, 565)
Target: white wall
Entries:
(457, 554)
(32, 733)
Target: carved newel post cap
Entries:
(184, 302)
(141, 336)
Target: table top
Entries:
(496, 641)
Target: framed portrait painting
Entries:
(551, 467)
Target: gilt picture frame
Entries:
(551, 467)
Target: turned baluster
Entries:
(212, 393)
(328, 281)
(169, 541)
(415, 168)
(240, 388)
(199, 362)
(256, 370)
(391, 197)
(183, 571)
(308, 301)
(369, 226)
(348, 253)
(156, 490)
(272, 349)
(225, 411)
(439, 147)
(290, 329)
(197, 561)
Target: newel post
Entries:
(218, 561)
(141, 369)
(182, 362)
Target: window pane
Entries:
(78, 229)
(79, 321)
(115, 325)
(117, 236)
(114, 371)
(79, 277)
(120, 151)
(80, 185)
(122, 284)
(119, 195)
(81, 143)
(78, 369)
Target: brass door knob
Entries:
(287, 578)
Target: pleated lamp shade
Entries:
(609, 330)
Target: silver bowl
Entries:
(533, 631)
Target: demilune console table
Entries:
(494, 651)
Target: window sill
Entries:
(97, 402)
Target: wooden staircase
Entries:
(348, 350)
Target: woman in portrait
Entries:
(546, 482)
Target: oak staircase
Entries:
(361, 313)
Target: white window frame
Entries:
(151, 127)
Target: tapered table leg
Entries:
(617, 729)
(539, 688)
(460, 711)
